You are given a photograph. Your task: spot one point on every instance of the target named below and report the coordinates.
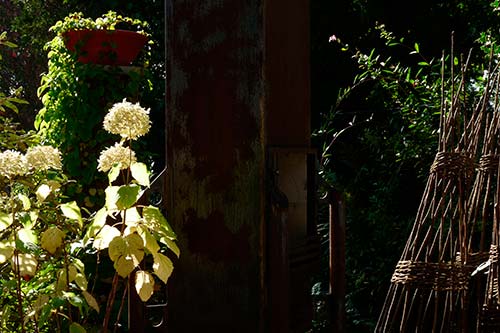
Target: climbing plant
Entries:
(75, 96)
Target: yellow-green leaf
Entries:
(25, 201)
(172, 246)
(76, 328)
(27, 235)
(150, 242)
(131, 216)
(105, 236)
(62, 280)
(127, 253)
(6, 251)
(80, 266)
(26, 262)
(5, 220)
(43, 192)
(154, 220)
(72, 272)
(111, 197)
(162, 266)
(114, 172)
(91, 301)
(81, 281)
(144, 285)
(98, 222)
(140, 173)
(72, 212)
(52, 239)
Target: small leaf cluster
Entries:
(129, 230)
(108, 21)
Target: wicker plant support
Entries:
(435, 286)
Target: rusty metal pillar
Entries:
(237, 85)
(215, 158)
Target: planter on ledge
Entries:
(105, 47)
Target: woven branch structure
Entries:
(447, 277)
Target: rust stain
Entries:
(211, 238)
(220, 119)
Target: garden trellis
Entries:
(447, 277)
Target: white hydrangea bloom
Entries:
(128, 120)
(13, 163)
(44, 158)
(116, 154)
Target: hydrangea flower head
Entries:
(128, 120)
(44, 158)
(13, 163)
(116, 154)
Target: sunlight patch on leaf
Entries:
(26, 262)
(105, 236)
(162, 266)
(144, 285)
(5, 220)
(140, 173)
(72, 212)
(43, 192)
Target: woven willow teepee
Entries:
(439, 283)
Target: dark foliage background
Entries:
(381, 161)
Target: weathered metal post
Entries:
(237, 96)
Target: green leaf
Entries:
(162, 266)
(105, 236)
(126, 253)
(72, 212)
(154, 220)
(144, 285)
(127, 196)
(140, 173)
(73, 299)
(76, 328)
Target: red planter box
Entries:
(105, 47)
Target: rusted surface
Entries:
(233, 84)
(210, 237)
(214, 156)
(287, 73)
